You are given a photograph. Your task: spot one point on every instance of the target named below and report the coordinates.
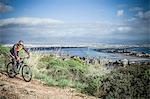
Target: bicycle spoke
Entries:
(10, 70)
(26, 73)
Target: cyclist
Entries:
(15, 50)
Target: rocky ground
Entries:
(17, 88)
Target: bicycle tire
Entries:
(26, 73)
(10, 72)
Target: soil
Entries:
(17, 88)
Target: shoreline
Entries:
(98, 61)
(91, 53)
(126, 52)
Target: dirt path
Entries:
(16, 88)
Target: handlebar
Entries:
(23, 58)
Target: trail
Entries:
(17, 88)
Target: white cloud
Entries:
(140, 14)
(120, 13)
(46, 29)
(5, 8)
(124, 29)
(131, 19)
(61, 30)
(29, 21)
(122, 5)
(145, 15)
(135, 9)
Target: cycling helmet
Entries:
(20, 42)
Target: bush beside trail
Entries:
(4, 57)
(130, 82)
(59, 72)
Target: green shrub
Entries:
(43, 77)
(77, 69)
(57, 68)
(70, 69)
(63, 82)
(61, 73)
(4, 56)
(4, 50)
(79, 85)
(130, 82)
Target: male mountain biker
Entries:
(15, 50)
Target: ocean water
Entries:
(141, 49)
(87, 52)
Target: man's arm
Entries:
(15, 52)
(26, 51)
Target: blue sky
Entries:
(73, 10)
(75, 21)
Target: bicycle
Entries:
(13, 69)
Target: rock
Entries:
(125, 62)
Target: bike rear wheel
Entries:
(26, 73)
(10, 70)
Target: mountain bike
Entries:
(13, 69)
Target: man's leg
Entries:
(15, 66)
(17, 63)
(13, 61)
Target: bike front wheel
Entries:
(26, 73)
(10, 70)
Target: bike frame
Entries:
(20, 64)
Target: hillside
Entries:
(16, 88)
(71, 78)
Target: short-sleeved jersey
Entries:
(19, 47)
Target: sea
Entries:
(89, 52)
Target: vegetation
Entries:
(124, 82)
(4, 50)
(130, 82)
(4, 56)
(58, 72)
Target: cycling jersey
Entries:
(16, 48)
(19, 47)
